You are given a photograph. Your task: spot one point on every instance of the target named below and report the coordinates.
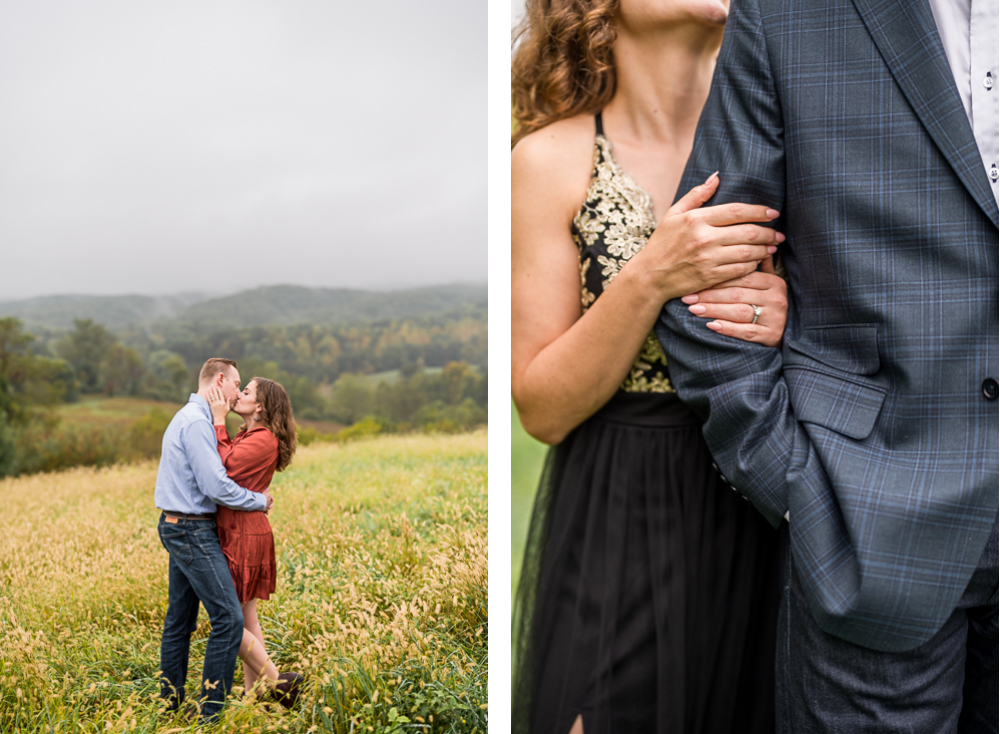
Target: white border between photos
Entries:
(498, 242)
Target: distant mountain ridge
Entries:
(58, 312)
(265, 306)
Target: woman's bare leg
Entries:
(256, 663)
(577, 727)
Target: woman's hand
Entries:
(693, 248)
(219, 405)
(731, 304)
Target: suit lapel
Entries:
(907, 37)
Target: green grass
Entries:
(98, 410)
(381, 597)
(526, 458)
(392, 376)
(101, 410)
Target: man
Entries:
(874, 427)
(190, 482)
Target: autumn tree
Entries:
(85, 348)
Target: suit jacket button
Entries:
(990, 388)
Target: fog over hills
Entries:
(269, 305)
(58, 312)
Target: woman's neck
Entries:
(663, 78)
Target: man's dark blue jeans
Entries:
(947, 685)
(198, 573)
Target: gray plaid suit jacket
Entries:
(871, 426)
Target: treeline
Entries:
(450, 400)
(31, 384)
(307, 360)
(438, 380)
(320, 353)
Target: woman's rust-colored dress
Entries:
(250, 459)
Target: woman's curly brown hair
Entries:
(563, 65)
(277, 416)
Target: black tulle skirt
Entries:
(649, 593)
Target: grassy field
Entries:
(98, 410)
(526, 458)
(381, 596)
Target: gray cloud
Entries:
(168, 146)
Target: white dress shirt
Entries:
(969, 32)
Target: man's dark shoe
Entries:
(286, 692)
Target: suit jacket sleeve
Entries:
(736, 386)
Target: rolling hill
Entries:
(269, 305)
(58, 312)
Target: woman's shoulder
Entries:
(565, 145)
(555, 162)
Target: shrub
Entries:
(8, 448)
(308, 435)
(45, 447)
(366, 427)
(145, 438)
(48, 445)
(437, 417)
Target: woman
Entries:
(265, 444)
(648, 596)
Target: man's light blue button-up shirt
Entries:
(191, 479)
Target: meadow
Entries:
(526, 458)
(122, 412)
(381, 599)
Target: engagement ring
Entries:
(757, 311)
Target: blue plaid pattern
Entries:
(870, 426)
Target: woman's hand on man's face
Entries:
(220, 406)
(730, 305)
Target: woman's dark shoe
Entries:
(286, 692)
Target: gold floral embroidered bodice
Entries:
(613, 224)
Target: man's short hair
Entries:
(213, 367)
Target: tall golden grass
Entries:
(381, 596)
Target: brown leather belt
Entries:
(181, 516)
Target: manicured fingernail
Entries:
(714, 325)
(697, 310)
(771, 249)
(778, 236)
(709, 179)
(772, 214)
(689, 300)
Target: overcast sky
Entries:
(156, 147)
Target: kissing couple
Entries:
(214, 494)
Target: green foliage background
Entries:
(430, 365)
(527, 456)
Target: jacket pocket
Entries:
(842, 405)
(849, 347)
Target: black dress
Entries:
(649, 593)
